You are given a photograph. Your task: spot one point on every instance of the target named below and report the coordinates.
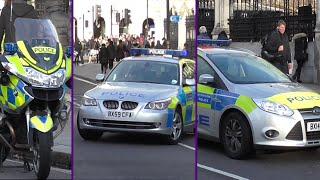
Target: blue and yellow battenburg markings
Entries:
(13, 96)
(42, 123)
(218, 100)
(185, 98)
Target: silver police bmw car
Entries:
(245, 103)
(145, 94)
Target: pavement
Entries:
(118, 156)
(12, 169)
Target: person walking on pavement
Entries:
(78, 49)
(278, 46)
(158, 45)
(111, 53)
(14, 9)
(203, 33)
(147, 45)
(103, 58)
(121, 50)
(164, 43)
(300, 53)
(135, 44)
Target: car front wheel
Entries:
(236, 136)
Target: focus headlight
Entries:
(88, 101)
(158, 105)
(37, 78)
(274, 108)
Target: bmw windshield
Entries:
(144, 71)
(36, 32)
(243, 68)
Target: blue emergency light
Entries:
(147, 51)
(10, 48)
(213, 43)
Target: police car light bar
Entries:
(213, 43)
(146, 51)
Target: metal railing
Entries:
(250, 20)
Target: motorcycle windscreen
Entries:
(38, 43)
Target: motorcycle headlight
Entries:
(88, 101)
(158, 105)
(274, 108)
(39, 79)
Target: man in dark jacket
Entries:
(121, 50)
(278, 46)
(21, 9)
(103, 58)
(111, 53)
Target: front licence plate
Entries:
(118, 114)
(313, 126)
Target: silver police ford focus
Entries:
(245, 103)
(144, 94)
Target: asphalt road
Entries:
(213, 164)
(13, 169)
(120, 156)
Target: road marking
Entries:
(52, 168)
(221, 172)
(86, 81)
(186, 146)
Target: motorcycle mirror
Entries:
(69, 51)
(10, 48)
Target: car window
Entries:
(204, 67)
(145, 71)
(243, 68)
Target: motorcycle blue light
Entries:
(213, 43)
(69, 51)
(146, 51)
(10, 48)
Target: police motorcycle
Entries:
(34, 74)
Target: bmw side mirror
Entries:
(189, 82)
(206, 79)
(100, 77)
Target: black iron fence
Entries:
(190, 35)
(206, 14)
(250, 20)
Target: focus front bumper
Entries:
(292, 131)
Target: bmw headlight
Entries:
(159, 105)
(39, 79)
(88, 101)
(274, 108)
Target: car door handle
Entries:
(216, 100)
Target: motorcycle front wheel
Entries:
(42, 154)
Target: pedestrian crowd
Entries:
(107, 50)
